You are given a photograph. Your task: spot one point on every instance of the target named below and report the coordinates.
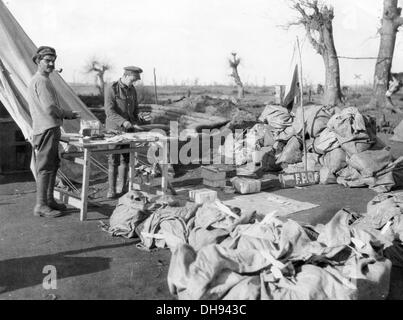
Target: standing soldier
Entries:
(122, 114)
(47, 118)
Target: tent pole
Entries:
(302, 107)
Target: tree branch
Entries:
(301, 11)
(316, 45)
(289, 25)
(398, 22)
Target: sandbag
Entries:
(334, 160)
(201, 237)
(166, 227)
(277, 260)
(260, 135)
(280, 122)
(291, 153)
(325, 142)
(269, 161)
(277, 117)
(355, 132)
(312, 164)
(384, 221)
(370, 162)
(327, 177)
(357, 146)
(381, 209)
(394, 172)
(129, 213)
(211, 215)
(316, 119)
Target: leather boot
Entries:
(51, 188)
(41, 208)
(123, 175)
(112, 176)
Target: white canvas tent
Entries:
(398, 133)
(398, 136)
(16, 71)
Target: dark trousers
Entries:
(116, 159)
(47, 147)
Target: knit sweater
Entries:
(44, 105)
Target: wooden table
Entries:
(104, 147)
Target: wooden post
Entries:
(155, 87)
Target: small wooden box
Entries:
(246, 186)
(299, 179)
(215, 183)
(216, 173)
(203, 195)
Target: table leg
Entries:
(86, 183)
(133, 162)
(164, 168)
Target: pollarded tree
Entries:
(391, 22)
(99, 68)
(234, 63)
(317, 18)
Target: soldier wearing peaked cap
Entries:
(122, 114)
(134, 69)
(47, 118)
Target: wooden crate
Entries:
(215, 183)
(217, 172)
(203, 195)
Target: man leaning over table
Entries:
(122, 114)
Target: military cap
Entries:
(44, 51)
(133, 69)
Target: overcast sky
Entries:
(192, 39)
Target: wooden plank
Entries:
(164, 167)
(68, 199)
(132, 166)
(86, 182)
(79, 161)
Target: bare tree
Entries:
(234, 63)
(317, 18)
(391, 22)
(99, 68)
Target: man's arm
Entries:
(110, 110)
(136, 107)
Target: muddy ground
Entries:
(91, 264)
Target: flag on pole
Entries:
(293, 92)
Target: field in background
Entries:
(255, 97)
(172, 93)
